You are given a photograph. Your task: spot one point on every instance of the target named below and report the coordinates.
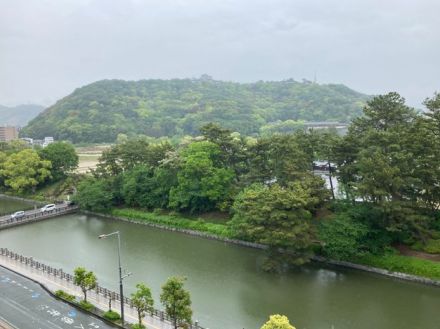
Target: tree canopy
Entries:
(101, 111)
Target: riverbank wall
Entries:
(317, 259)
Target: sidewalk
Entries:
(54, 283)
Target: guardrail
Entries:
(36, 216)
(101, 291)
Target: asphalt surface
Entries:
(25, 305)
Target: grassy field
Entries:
(89, 156)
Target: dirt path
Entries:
(405, 250)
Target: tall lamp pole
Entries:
(121, 290)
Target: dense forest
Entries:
(19, 115)
(102, 110)
(387, 166)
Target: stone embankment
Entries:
(396, 275)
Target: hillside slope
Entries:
(99, 111)
(19, 115)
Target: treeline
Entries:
(387, 166)
(175, 108)
(23, 169)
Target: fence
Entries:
(100, 291)
(35, 216)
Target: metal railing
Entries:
(101, 291)
(35, 215)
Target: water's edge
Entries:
(319, 259)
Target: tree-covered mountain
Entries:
(19, 115)
(100, 111)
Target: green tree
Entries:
(25, 170)
(280, 158)
(278, 322)
(278, 217)
(63, 157)
(85, 280)
(142, 301)
(94, 194)
(342, 237)
(377, 161)
(177, 302)
(202, 185)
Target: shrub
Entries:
(64, 295)
(432, 246)
(342, 237)
(137, 326)
(86, 305)
(111, 315)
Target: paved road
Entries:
(25, 305)
(32, 212)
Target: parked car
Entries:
(48, 207)
(17, 214)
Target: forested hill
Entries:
(19, 115)
(100, 111)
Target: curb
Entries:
(65, 301)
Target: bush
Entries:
(404, 264)
(432, 246)
(86, 305)
(137, 326)
(112, 315)
(64, 295)
(342, 237)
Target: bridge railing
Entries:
(102, 291)
(36, 215)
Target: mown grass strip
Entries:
(174, 221)
(405, 264)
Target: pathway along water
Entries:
(228, 289)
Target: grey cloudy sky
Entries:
(50, 47)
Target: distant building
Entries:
(8, 133)
(341, 128)
(47, 141)
(28, 140)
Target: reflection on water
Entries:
(228, 289)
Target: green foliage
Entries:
(94, 194)
(85, 280)
(24, 170)
(142, 301)
(174, 221)
(278, 217)
(202, 185)
(62, 156)
(105, 109)
(112, 315)
(177, 302)
(86, 305)
(64, 295)
(432, 246)
(404, 264)
(137, 326)
(278, 322)
(342, 237)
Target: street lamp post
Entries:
(121, 290)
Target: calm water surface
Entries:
(227, 288)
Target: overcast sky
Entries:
(50, 47)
